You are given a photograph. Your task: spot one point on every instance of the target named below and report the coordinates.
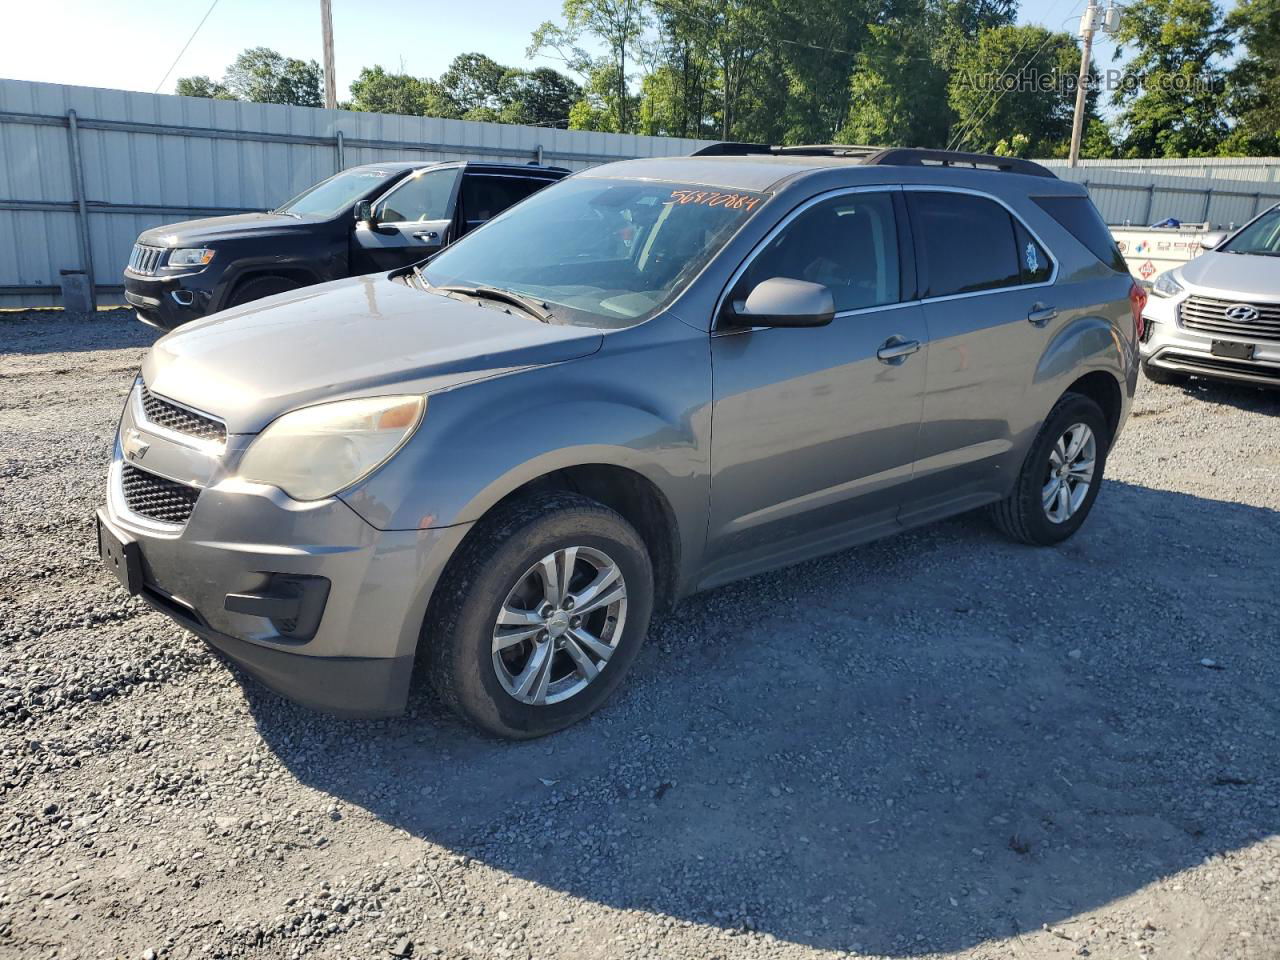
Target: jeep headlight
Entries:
(190, 257)
(314, 452)
(1166, 285)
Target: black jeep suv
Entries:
(369, 218)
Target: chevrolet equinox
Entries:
(651, 378)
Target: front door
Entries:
(411, 222)
(814, 429)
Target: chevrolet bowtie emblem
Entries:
(135, 448)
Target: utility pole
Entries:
(326, 29)
(1093, 18)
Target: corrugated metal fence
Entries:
(83, 171)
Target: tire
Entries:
(259, 287)
(1024, 515)
(1165, 377)
(494, 572)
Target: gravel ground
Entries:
(939, 745)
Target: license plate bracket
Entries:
(122, 556)
(1231, 349)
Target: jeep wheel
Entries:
(1059, 480)
(259, 287)
(540, 615)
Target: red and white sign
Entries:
(1147, 269)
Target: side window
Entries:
(847, 243)
(1035, 263)
(484, 196)
(968, 243)
(424, 197)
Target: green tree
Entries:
(1019, 80)
(377, 91)
(618, 25)
(1172, 87)
(202, 86)
(898, 89)
(1253, 84)
(262, 75)
(541, 97)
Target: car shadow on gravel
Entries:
(910, 747)
(51, 331)
(1241, 396)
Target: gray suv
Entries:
(651, 378)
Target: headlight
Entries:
(1166, 286)
(314, 452)
(197, 257)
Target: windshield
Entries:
(330, 197)
(1261, 237)
(598, 251)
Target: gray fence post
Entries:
(1208, 200)
(1257, 202)
(341, 149)
(82, 211)
(1151, 196)
(538, 153)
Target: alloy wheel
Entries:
(559, 625)
(1069, 474)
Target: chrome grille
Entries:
(156, 497)
(1209, 315)
(145, 260)
(169, 415)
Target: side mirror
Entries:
(1212, 239)
(364, 213)
(783, 302)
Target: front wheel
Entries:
(540, 615)
(1060, 478)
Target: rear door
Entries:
(413, 222)
(987, 286)
(485, 195)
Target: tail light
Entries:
(1137, 302)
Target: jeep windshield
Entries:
(1260, 238)
(328, 198)
(597, 252)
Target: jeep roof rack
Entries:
(882, 156)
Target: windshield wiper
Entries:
(534, 308)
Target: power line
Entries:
(185, 45)
(675, 8)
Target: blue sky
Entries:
(129, 44)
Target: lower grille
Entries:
(1209, 365)
(156, 497)
(145, 259)
(1210, 315)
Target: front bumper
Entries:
(241, 537)
(1170, 346)
(167, 302)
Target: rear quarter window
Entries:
(1079, 217)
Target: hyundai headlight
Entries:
(314, 452)
(190, 257)
(1166, 285)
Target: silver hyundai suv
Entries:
(1219, 315)
(653, 377)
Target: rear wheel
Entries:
(540, 615)
(259, 287)
(1158, 375)
(1060, 477)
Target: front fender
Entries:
(646, 409)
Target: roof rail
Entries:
(882, 156)
(920, 157)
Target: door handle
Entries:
(1040, 314)
(429, 235)
(896, 349)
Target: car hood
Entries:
(208, 229)
(1235, 276)
(362, 336)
